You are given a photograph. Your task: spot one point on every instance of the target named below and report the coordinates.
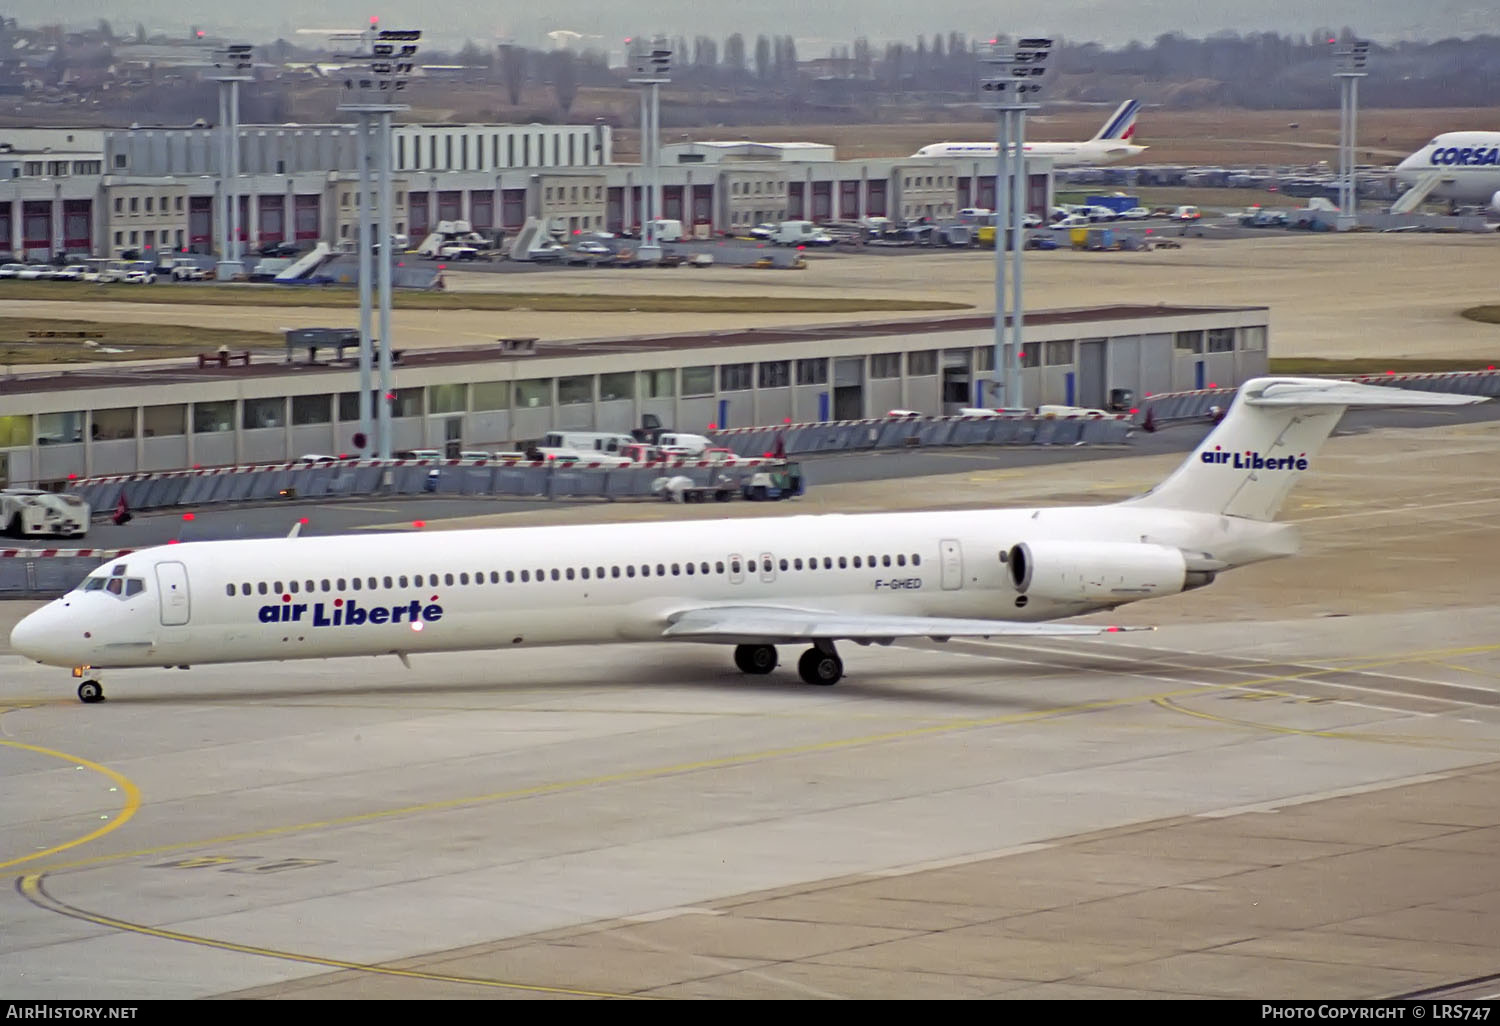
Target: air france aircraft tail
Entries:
(1121, 124)
(1269, 438)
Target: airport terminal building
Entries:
(103, 192)
(111, 420)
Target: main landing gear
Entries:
(819, 665)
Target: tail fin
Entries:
(1272, 433)
(1121, 124)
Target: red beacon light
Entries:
(419, 524)
(190, 516)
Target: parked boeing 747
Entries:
(753, 584)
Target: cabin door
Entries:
(171, 579)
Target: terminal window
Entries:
(491, 395)
(1188, 341)
(885, 365)
(922, 363)
(211, 417)
(533, 393)
(735, 377)
(109, 425)
(698, 380)
(616, 386)
(775, 374)
(812, 372)
(575, 390)
(1059, 353)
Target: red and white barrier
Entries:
(153, 475)
(101, 554)
(923, 418)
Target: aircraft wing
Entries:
(784, 624)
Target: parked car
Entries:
(139, 277)
(1071, 221)
(187, 270)
(763, 231)
(1031, 221)
(587, 251)
(1186, 213)
(73, 272)
(1135, 214)
(36, 272)
(1040, 241)
(278, 249)
(11, 270)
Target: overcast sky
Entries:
(814, 23)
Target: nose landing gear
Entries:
(91, 690)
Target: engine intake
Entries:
(1101, 571)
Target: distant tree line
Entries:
(1255, 70)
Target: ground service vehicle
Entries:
(783, 482)
(30, 512)
(800, 233)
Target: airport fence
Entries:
(48, 572)
(916, 432)
(542, 479)
(552, 479)
(1166, 408)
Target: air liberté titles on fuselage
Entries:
(349, 613)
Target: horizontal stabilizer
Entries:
(1315, 392)
(773, 624)
(1270, 436)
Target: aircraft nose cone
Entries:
(35, 637)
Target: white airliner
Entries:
(1112, 143)
(1462, 167)
(754, 584)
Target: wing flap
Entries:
(770, 624)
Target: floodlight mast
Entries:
(1349, 68)
(379, 68)
(1010, 85)
(650, 66)
(232, 65)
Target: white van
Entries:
(585, 441)
(683, 444)
(799, 233)
(667, 230)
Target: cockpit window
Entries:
(1433, 143)
(124, 587)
